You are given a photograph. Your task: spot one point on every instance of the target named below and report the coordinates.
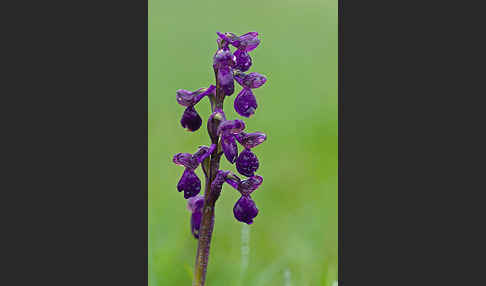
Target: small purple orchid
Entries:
(225, 134)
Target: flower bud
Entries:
(247, 163)
(245, 210)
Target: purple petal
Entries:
(246, 187)
(251, 140)
(245, 210)
(195, 203)
(213, 123)
(187, 98)
(225, 78)
(191, 119)
(245, 103)
(229, 146)
(243, 60)
(231, 126)
(196, 218)
(251, 80)
(223, 58)
(186, 160)
(249, 41)
(189, 183)
(247, 163)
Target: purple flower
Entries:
(243, 60)
(251, 80)
(247, 163)
(245, 103)
(230, 149)
(213, 123)
(191, 119)
(250, 140)
(195, 205)
(245, 210)
(189, 183)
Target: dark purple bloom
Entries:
(251, 80)
(190, 98)
(231, 126)
(225, 77)
(191, 119)
(247, 163)
(189, 183)
(243, 60)
(250, 140)
(245, 210)
(195, 205)
(245, 103)
(229, 146)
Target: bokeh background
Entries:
(294, 239)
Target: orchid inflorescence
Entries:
(225, 134)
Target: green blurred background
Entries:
(294, 238)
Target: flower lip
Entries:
(245, 210)
(191, 119)
(195, 203)
(245, 103)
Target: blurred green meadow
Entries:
(294, 238)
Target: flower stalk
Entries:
(224, 134)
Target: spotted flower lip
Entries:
(251, 140)
(247, 163)
(245, 103)
(231, 126)
(191, 119)
(189, 98)
(251, 80)
(189, 183)
(243, 60)
(245, 210)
